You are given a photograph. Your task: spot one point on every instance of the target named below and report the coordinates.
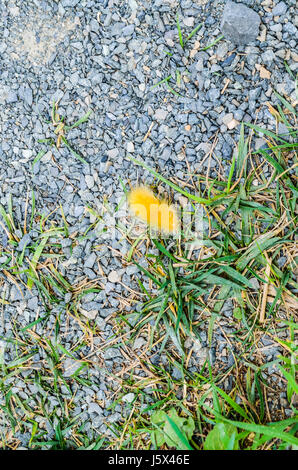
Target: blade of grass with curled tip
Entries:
(287, 146)
(236, 275)
(290, 128)
(159, 316)
(48, 140)
(10, 211)
(172, 279)
(231, 402)
(178, 78)
(133, 245)
(54, 112)
(291, 379)
(66, 233)
(35, 322)
(174, 337)
(21, 360)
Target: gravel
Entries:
(106, 56)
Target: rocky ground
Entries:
(106, 56)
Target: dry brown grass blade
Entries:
(148, 132)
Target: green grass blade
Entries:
(193, 32)
(179, 31)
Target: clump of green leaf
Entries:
(171, 429)
(222, 437)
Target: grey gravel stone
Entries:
(130, 147)
(279, 9)
(160, 114)
(129, 397)
(25, 93)
(214, 94)
(255, 283)
(139, 342)
(95, 408)
(128, 30)
(32, 303)
(283, 129)
(3, 47)
(89, 181)
(254, 94)
(89, 262)
(240, 24)
(25, 240)
(176, 373)
(69, 3)
(113, 153)
(114, 276)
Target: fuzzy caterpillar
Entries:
(154, 212)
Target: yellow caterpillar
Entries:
(156, 213)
